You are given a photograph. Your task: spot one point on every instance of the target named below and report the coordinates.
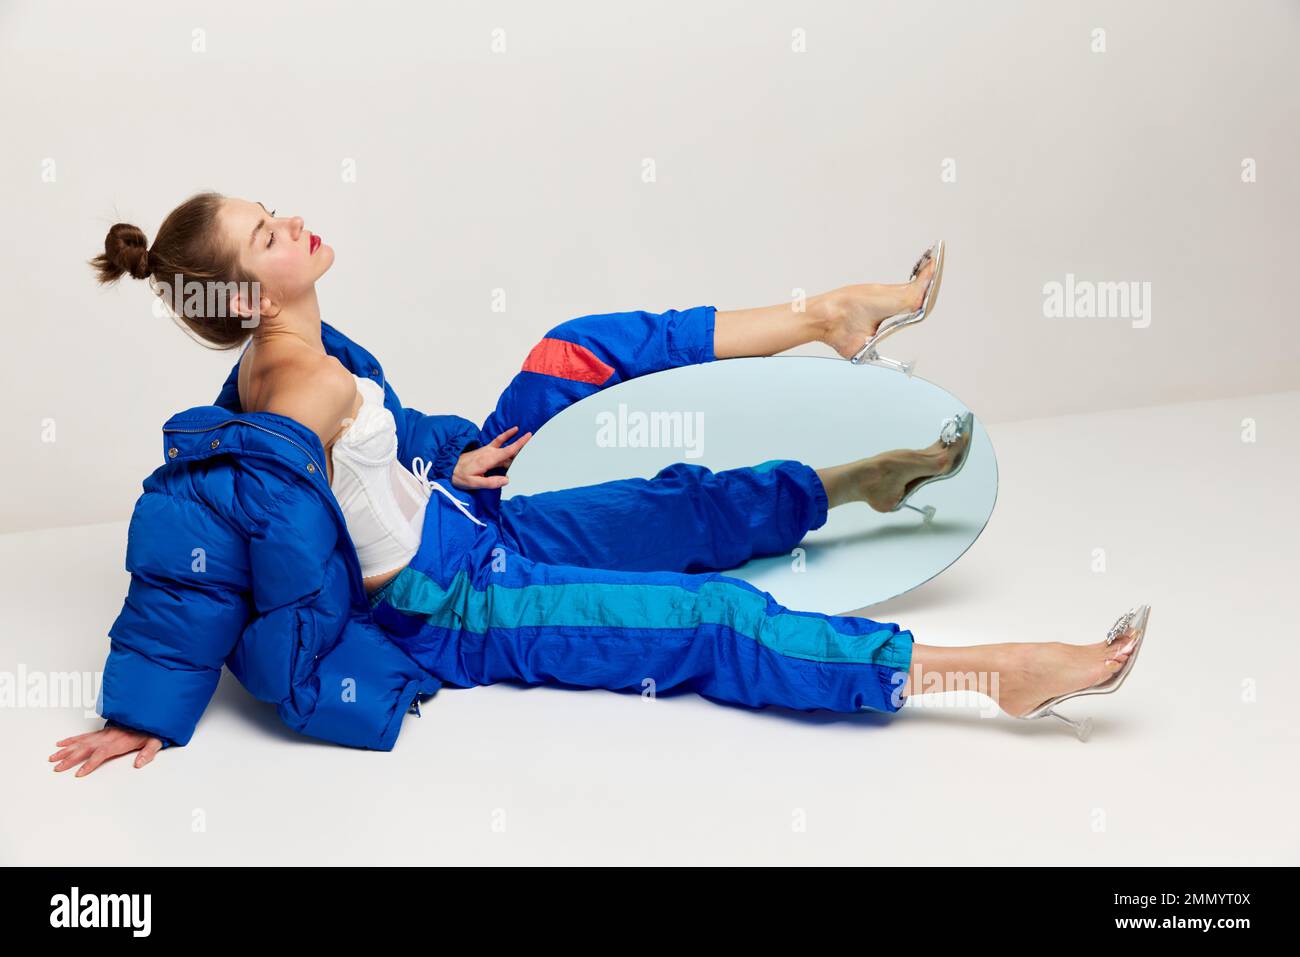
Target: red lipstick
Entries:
(314, 244)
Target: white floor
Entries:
(1192, 762)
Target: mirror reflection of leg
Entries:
(884, 480)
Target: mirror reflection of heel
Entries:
(954, 429)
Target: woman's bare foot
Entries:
(852, 314)
(884, 480)
(1031, 673)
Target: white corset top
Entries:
(383, 502)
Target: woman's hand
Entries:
(472, 467)
(96, 747)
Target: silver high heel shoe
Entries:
(1132, 623)
(953, 429)
(891, 325)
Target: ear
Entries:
(242, 304)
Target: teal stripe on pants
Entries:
(714, 600)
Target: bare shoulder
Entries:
(317, 391)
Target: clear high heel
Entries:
(891, 325)
(953, 429)
(1133, 623)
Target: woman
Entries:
(295, 535)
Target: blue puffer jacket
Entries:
(239, 555)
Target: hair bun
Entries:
(125, 251)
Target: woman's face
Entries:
(286, 258)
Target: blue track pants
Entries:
(617, 585)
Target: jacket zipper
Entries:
(262, 428)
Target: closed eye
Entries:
(271, 241)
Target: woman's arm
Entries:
(186, 606)
(147, 687)
(169, 643)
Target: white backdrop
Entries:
(793, 146)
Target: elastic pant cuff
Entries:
(820, 503)
(895, 677)
(690, 335)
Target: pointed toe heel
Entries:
(1133, 624)
(868, 353)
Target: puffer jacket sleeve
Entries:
(437, 438)
(186, 606)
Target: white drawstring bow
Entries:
(420, 468)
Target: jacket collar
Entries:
(224, 427)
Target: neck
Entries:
(299, 319)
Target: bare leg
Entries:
(843, 318)
(1019, 676)
(768, 330)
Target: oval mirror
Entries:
(821, 411)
